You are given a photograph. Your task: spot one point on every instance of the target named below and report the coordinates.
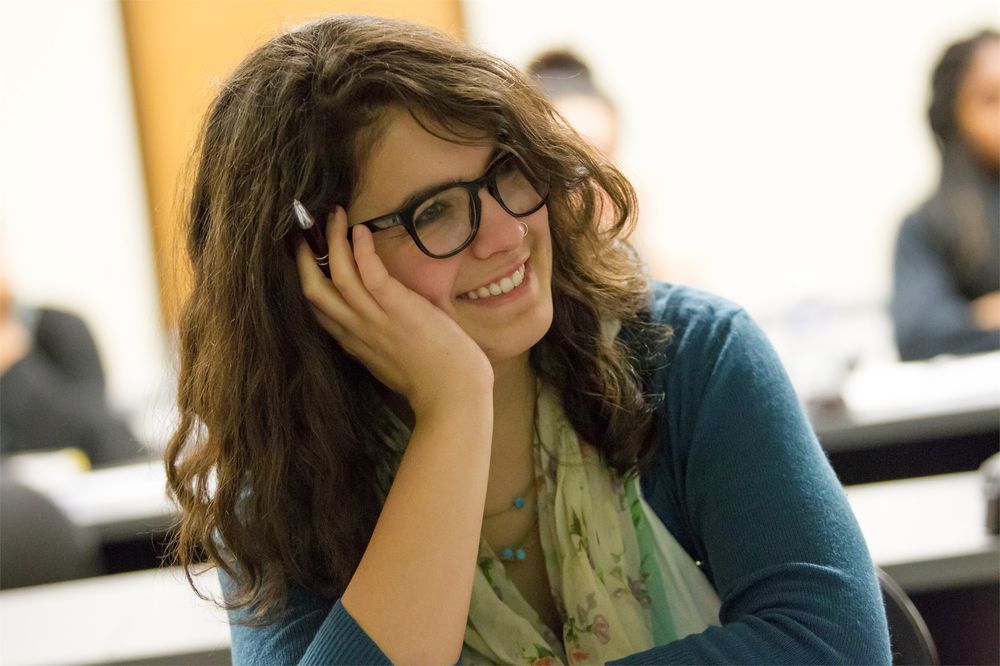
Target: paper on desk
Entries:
(941, 384)
(44, 470)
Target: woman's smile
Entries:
(498, 289)
(494, 289)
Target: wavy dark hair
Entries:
(274, 461)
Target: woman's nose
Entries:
(499, 231)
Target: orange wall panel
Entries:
(179, 50)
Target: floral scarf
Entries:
(621, 582)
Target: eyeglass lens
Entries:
(445, 221)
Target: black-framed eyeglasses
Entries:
(443, 221)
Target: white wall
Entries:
(74, 229)
(776, 144)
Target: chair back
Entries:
(908, 634)
(38, 543)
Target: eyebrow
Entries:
(425, 192)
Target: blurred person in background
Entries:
(52, 389)
(568, 82)
(566, 79)
(946, 290)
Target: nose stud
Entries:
(524, 229)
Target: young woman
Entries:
(946, 290)
(484, 437)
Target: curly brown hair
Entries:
(270, 488)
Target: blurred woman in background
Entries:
(946, 294)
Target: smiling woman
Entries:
(484, 435)
(480, 217)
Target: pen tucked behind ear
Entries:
(313, 235)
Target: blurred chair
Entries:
(911, 640)
(38, 543)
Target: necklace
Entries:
(518, 554)
(519, 502)
(521, 499)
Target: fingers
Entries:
(341, 302)
(344, 267)
(371, 270)
(332, 313)
(394, 298)
(317, 290)
(352, 344)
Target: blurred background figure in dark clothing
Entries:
(52, 390)
(946, 291)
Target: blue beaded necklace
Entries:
(517, 553)
(519, 502)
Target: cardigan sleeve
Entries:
(742, 483)
(312, 630)
(930, 315)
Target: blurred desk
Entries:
(842, 431)
(914, 419)
(127, 507)
(869, 448)
(929, 533)
(133, 618)
(119, 502)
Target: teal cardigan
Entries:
(741, 483)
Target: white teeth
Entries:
(504, 286)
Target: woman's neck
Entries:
(512, 458)
(513, 385)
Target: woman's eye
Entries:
(431, 213)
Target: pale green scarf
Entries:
(622, 583)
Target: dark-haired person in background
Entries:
(565, 78)
(946, 294)
(568, 82)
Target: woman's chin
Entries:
(503, 346)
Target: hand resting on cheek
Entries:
(406, 342)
